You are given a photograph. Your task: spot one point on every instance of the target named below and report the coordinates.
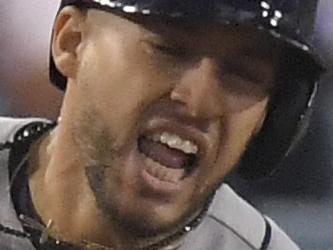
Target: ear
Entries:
(260, 122)
(67, 40)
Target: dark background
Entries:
(299, 198)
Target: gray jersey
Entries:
(229, 224)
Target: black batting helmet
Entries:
(288, 21)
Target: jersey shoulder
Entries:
(8, 217)
(9, 126)
(232, 223)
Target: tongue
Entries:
(164, 155)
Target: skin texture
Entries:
(127, 77)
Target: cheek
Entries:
(238, 130)
(120, 86)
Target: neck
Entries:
(59, 194)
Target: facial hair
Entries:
(97, 144)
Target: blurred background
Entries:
(299, 198)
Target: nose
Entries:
(200, 91)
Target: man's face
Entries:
(162, 113)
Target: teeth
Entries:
(174, 141)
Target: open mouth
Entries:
(168, 157)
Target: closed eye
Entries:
(174, 51)
(251, 70)
(241, 70)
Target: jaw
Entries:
(135, 196)
(152, 197)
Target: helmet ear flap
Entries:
(289, 112)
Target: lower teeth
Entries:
(162, 172)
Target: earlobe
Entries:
(67, 40)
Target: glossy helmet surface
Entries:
(290, 22)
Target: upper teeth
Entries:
(174, 141)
